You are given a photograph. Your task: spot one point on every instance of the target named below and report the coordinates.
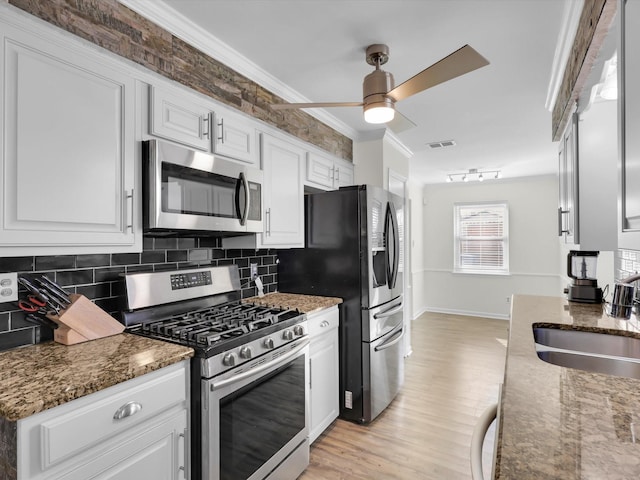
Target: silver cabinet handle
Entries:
(183, 454)
(560, 222)
(127, 410)
(268, 222)
(221, 125)
(206, 133)
(129, 200)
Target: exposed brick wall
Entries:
(593, 26)
(120, 30)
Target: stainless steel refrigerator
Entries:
(353, 251)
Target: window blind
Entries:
(481, 238)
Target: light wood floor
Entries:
(451, 377)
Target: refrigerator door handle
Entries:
(391, 311)
(391, 227)
(394, 338)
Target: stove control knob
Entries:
(229, 360)
(268, 343)
(298, 330)
(287, 335)
(245, 352)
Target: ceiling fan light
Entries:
(375, 114)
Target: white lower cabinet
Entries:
(323, 368)
(133, 430)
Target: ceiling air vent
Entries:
(442, 144)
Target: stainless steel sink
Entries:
(588, 342)
(590, 351)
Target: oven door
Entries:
(189, 190)
(255, 418)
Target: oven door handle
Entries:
(281, 360)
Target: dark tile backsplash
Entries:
(98, 276)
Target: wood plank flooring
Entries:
(451, 377)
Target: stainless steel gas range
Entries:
(249, 375)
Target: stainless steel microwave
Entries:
(189, 191)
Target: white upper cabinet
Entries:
(236, 137)
(629, 68)
(328, 173)
(282, 197)
(187, 119)
(68, 150)
(568, 228)
(283, 193)
(175, 117)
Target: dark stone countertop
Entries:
(39, 377)
(564, 423)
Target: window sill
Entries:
(500, 273)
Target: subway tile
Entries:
(217, 253)
(74, 277)
(17, 264)
(110, 274)
(233, 253)
(55, 262)
(99, 290)
(187, 243)
(17, 338)
(155, 256)
(4, 322)
(177, 255)
(165, 243)
(139, 268)
(102, 260)
(125, 259)
(199, 255)
(241, 262)
(165, 267)
(210, 242)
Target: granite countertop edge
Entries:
(304, 303)
(39, 377)
(557, 422)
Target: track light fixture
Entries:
(473, 174)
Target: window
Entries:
(481, 237)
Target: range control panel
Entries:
(190, 279)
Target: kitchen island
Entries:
(564, 423)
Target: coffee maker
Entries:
(581, 268)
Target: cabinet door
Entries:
(324, 373)
(629, 216)
(158, 453)
(176, 117)
(320, 170)
(343, 174)
(283, 193)
(235, 137)
(68, 157)
(568, 227)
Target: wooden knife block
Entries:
(82, 321)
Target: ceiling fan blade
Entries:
(288, 106)
(463, 60)
(400, 123)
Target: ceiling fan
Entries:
(379, 93)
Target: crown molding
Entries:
(177, 24)
(564, 44)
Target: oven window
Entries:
(259, 419)
(195, 192)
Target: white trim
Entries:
(395, 142)
(177, 24)
(564, 45)
(511, 274)
(467, 313)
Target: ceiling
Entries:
(314, 50)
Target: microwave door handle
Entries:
(247, 198)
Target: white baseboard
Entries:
(496, 316)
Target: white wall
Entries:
(534, 248)
(416, 243)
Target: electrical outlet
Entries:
(508, 299)
(254, 270)
(8, 287)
